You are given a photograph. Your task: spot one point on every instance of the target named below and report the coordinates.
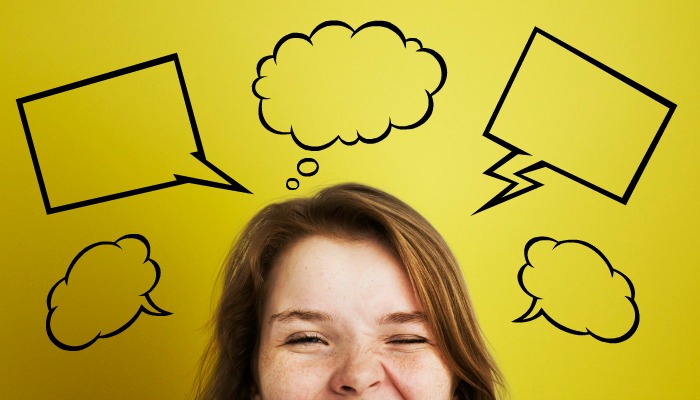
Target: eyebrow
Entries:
(403, 318)
(300, 314)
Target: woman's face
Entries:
(341, 320)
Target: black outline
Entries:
(292, 180)
(312, 173)
(141, 309)
(178, 179)
(525, 317)
(305, 160)
(505, 194)
(360, 138)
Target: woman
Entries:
(348, 294)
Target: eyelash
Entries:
(405, 340)
(305, 339)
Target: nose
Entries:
(360, 372)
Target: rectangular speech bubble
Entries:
(119, 134)
(570, 113)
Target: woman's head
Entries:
(340, 319)
(351, 283)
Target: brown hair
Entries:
(351, 211)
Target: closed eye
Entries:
(305, 339)
(407, 339)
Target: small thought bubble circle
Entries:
(348, 85)
(303, 170)
(106, 288)
(576, 289)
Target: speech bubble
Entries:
(348, 85)
(106, 288)
(119, 134)
(576, 289)
(565, 111)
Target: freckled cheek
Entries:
(285, 376)
(421, 375)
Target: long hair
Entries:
(353, 211)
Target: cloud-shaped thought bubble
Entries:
(106, 288)
(577, 290)
(340, 84)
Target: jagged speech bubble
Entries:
(565, 111)
(106, 288)
(119, 134)
(348, 85)
(576, 289)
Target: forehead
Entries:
(340, 277)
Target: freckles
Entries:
(420, 374)
(287, 376)
(274, 373)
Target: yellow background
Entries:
(436, 167)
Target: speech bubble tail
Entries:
(220, 180)
(518, 185)
(150, 308)
(533, 312)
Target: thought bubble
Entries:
(106, 288)
(305, 167)
(118, 134)
(568, 112)
(341, 84)
(577, 290)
